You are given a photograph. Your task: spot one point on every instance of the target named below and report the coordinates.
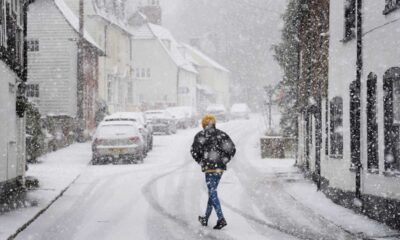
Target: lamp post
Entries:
(269, 90)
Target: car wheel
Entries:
(95, 161)
(140, 159)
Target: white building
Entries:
(105, 21)
(163, 77)
(214, 79)
(376, 133)
(53, 35)
(12, 75)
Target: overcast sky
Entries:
(260, 28)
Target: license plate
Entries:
(118, 151)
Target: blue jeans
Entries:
(212, 180)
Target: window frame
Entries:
(33, 90)
(372, 124)
(391, 128)
(33, 45)
(349, 28)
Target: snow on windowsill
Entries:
(391, 173)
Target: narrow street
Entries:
(162, 198)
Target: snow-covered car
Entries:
(161, 121)
(138, 118)
(240, 111)
(219, 111)
(181, 116)
(192, 116)
(117, 140)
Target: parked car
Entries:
(192, 116)
(219, 111)
(117, 140)
(240, 111)
(140, 119)
(181, 116)
(161, 121)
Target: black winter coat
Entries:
(212, 149)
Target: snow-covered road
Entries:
(162, 198)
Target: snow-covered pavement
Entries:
(55, 172)
(161, 199)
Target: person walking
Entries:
(212, 149)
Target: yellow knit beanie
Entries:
(207, 120)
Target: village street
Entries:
(161, 199)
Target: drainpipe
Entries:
(80, 82)
(359, 64)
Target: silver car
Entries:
(140, 120)
(117, 141)
(161, 121)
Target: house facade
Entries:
(106, 23)
(53, 39)
(12, 84)
(359, 152)
(163, 77)
(214, 79)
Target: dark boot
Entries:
(220, 224)
(203, 221)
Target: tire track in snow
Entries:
(195, 233)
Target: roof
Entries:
(153, 31)
(206, 58)
(111, 19)
(74, 22)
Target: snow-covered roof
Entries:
(73, 20)
(206, 58)
(111, 19)
(153, 31)
(142, 32)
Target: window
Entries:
(137, 70)
(355, 124)
(391, 86)
(143, 73)
(32, 90)
(2, 23)
(372, 125)
(391, 5)
(336, 124)
(109, 88)
(130, 91)
(33, 45)
(349, 19)
(326, 128)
